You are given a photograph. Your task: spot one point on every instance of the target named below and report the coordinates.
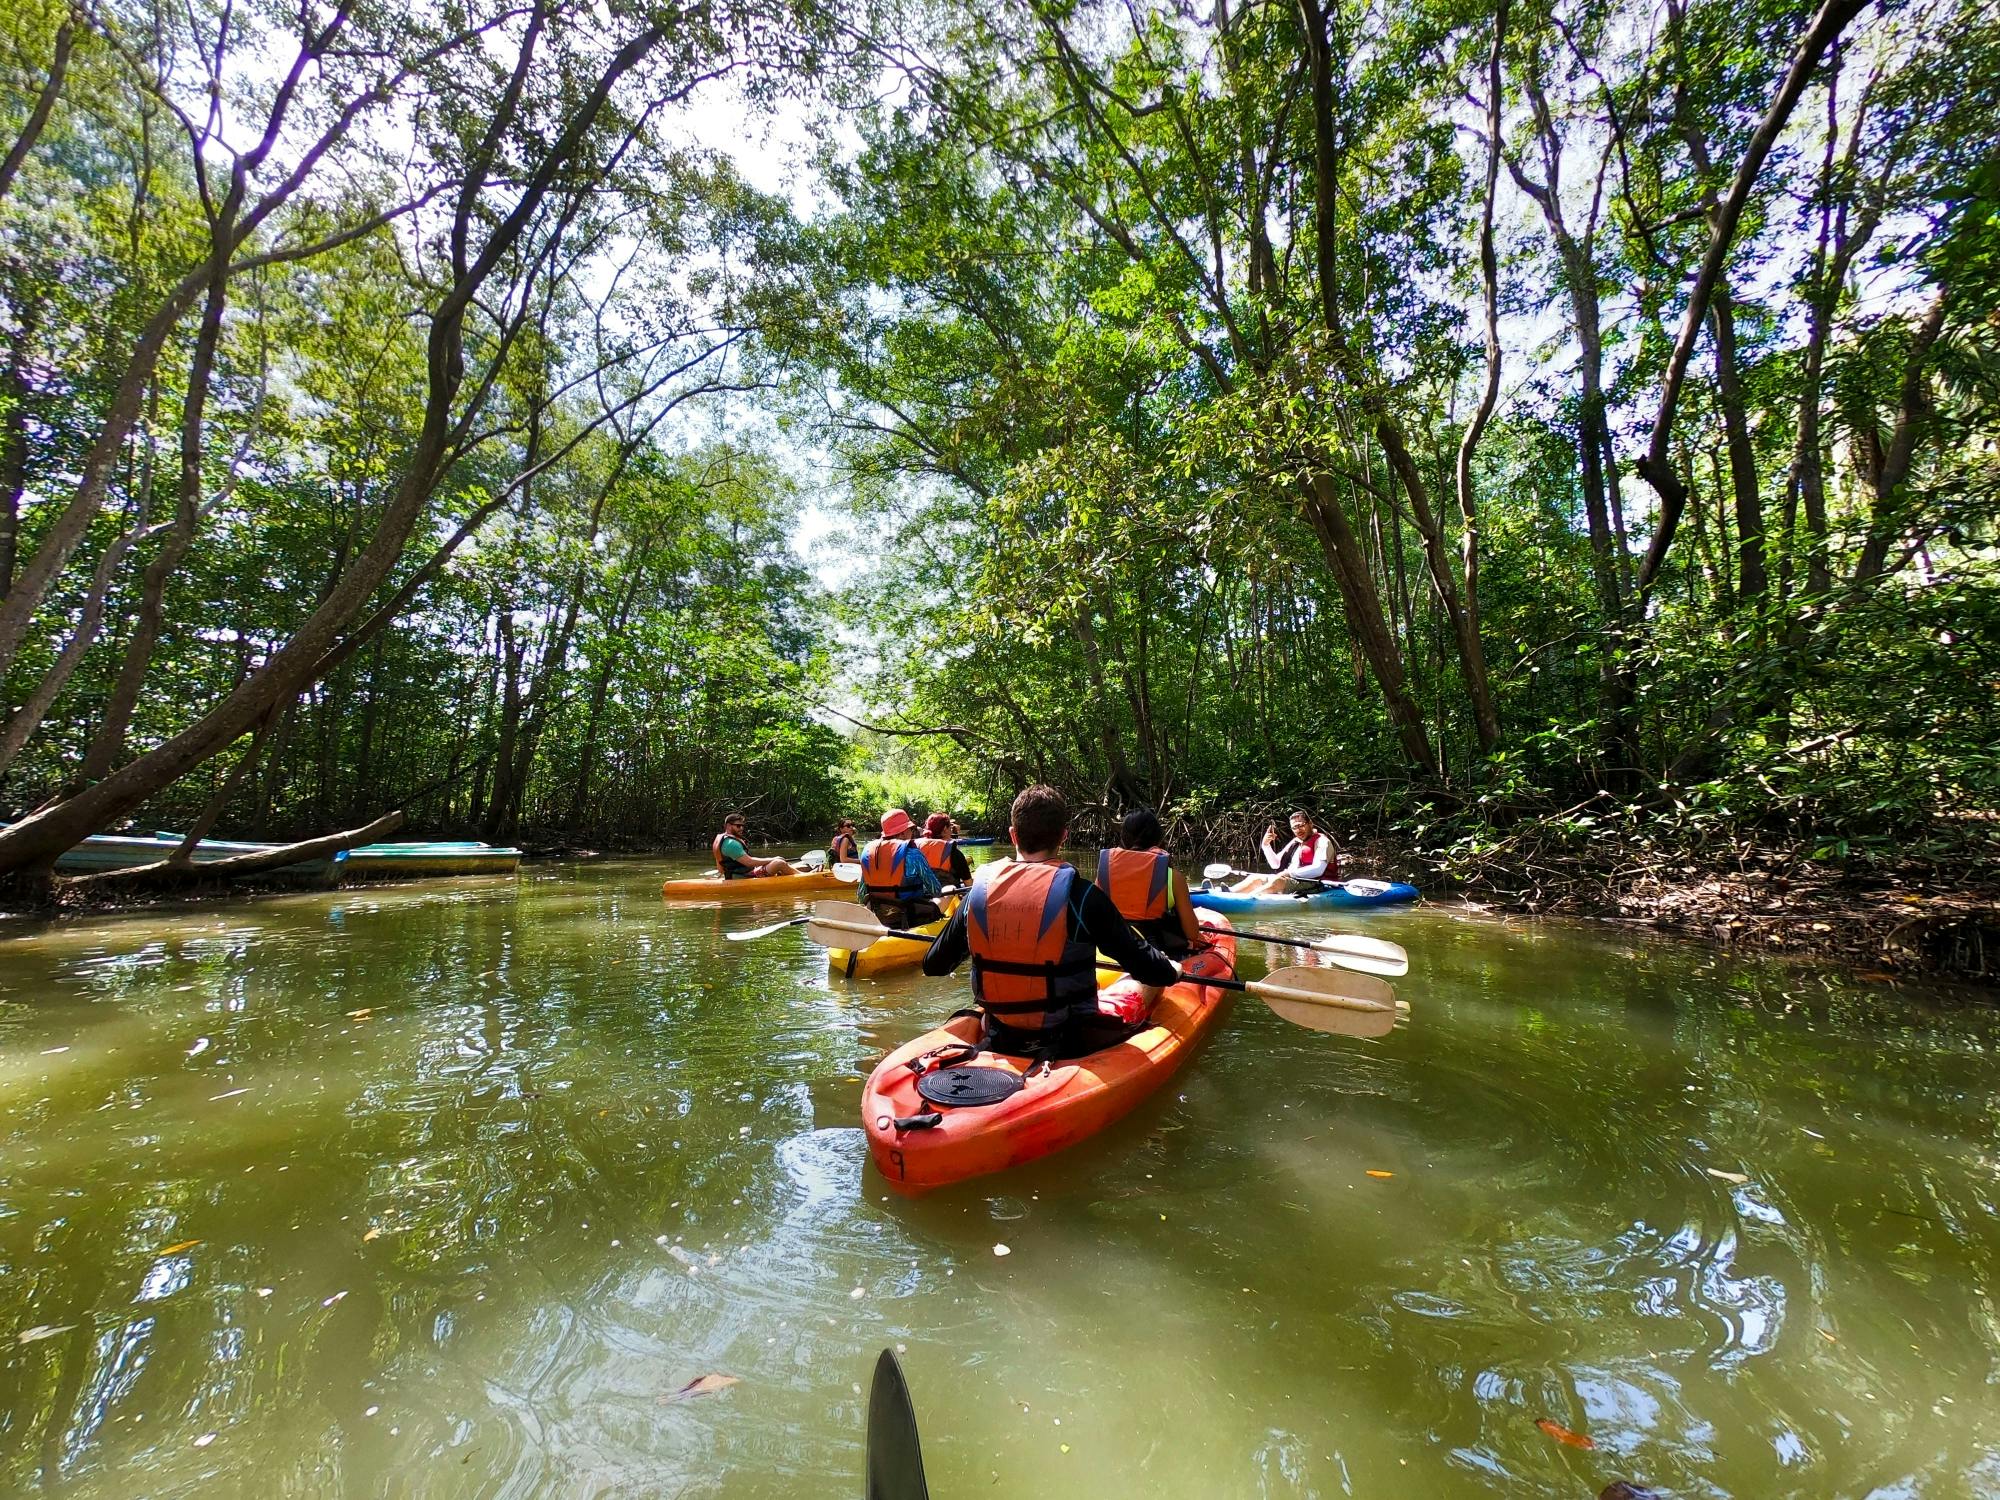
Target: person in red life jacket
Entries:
(1139, 878)
(732, 857)
(897, 882)
(1033, 928)
(841, 848)
(1308, 863)
(944, 857)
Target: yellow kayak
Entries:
(758, 888)
(889, 953)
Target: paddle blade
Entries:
(1217, 872)
(762, 932)
(1326, 1000)
(812, 859)
(844, 924)
(1365, 955)
(895, 1458)
(848, 872)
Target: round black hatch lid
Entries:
(966, 1087)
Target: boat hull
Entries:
(1354, 895)
(1054, 1110)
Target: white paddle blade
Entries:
(848, 872)
(1365, 955)
(1325, 1000)
(812, 859)
(1217, 872)
(763, 932)
(844, 924)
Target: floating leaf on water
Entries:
(373, 1234)
(1828, 1336)
(1732, 1177)
(1372, 1172)
(1563, 1435)
(1065, 1447)
(858, 1293)
(44, 1331)
(177, 1247)
(703, 1385)
(1002, 1250)
(366, 1010)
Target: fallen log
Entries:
(171, 872)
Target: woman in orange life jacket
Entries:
(897, 882)
(1033, 928)
(1307, 864)
(946, 859)
(841, 848)
(732, 857)
(1139, 878)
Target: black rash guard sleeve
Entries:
(949, 949)
(961, 871)
(1101, 925)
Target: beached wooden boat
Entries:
(126, 851)
(408, 861)
(414, 860)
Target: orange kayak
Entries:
(771, 887)
(938, 1143)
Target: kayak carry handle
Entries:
(929, 1120)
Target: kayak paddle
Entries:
(1317, 999)
(1366, 954)
(764, 932)
(895, 1459)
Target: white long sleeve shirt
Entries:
(1302, 861)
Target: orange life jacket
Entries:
(842, 850)
(1028, 970)
(1138, 881)
(882, 871)
(937, 854)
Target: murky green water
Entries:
(445, 1190)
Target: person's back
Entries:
(897, 883)
(1033, 927)
(1139, 878)
(941, 853)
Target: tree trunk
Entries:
(1656, 466)
(1751, 580)
(1363, 609)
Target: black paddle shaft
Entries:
(895, 1459)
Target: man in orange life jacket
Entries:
(1140, 879)
(941, 853)
(897, 881)
(732, 859)
(1033, 927)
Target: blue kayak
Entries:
(1348, 895)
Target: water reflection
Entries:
(448, 1190)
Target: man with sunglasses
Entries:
(732, 858)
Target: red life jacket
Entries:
(1028, 969)
(1138, 881)
(1305, 853)
(721, 865)
(882, 871)
(937, 854)
(842, 849)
